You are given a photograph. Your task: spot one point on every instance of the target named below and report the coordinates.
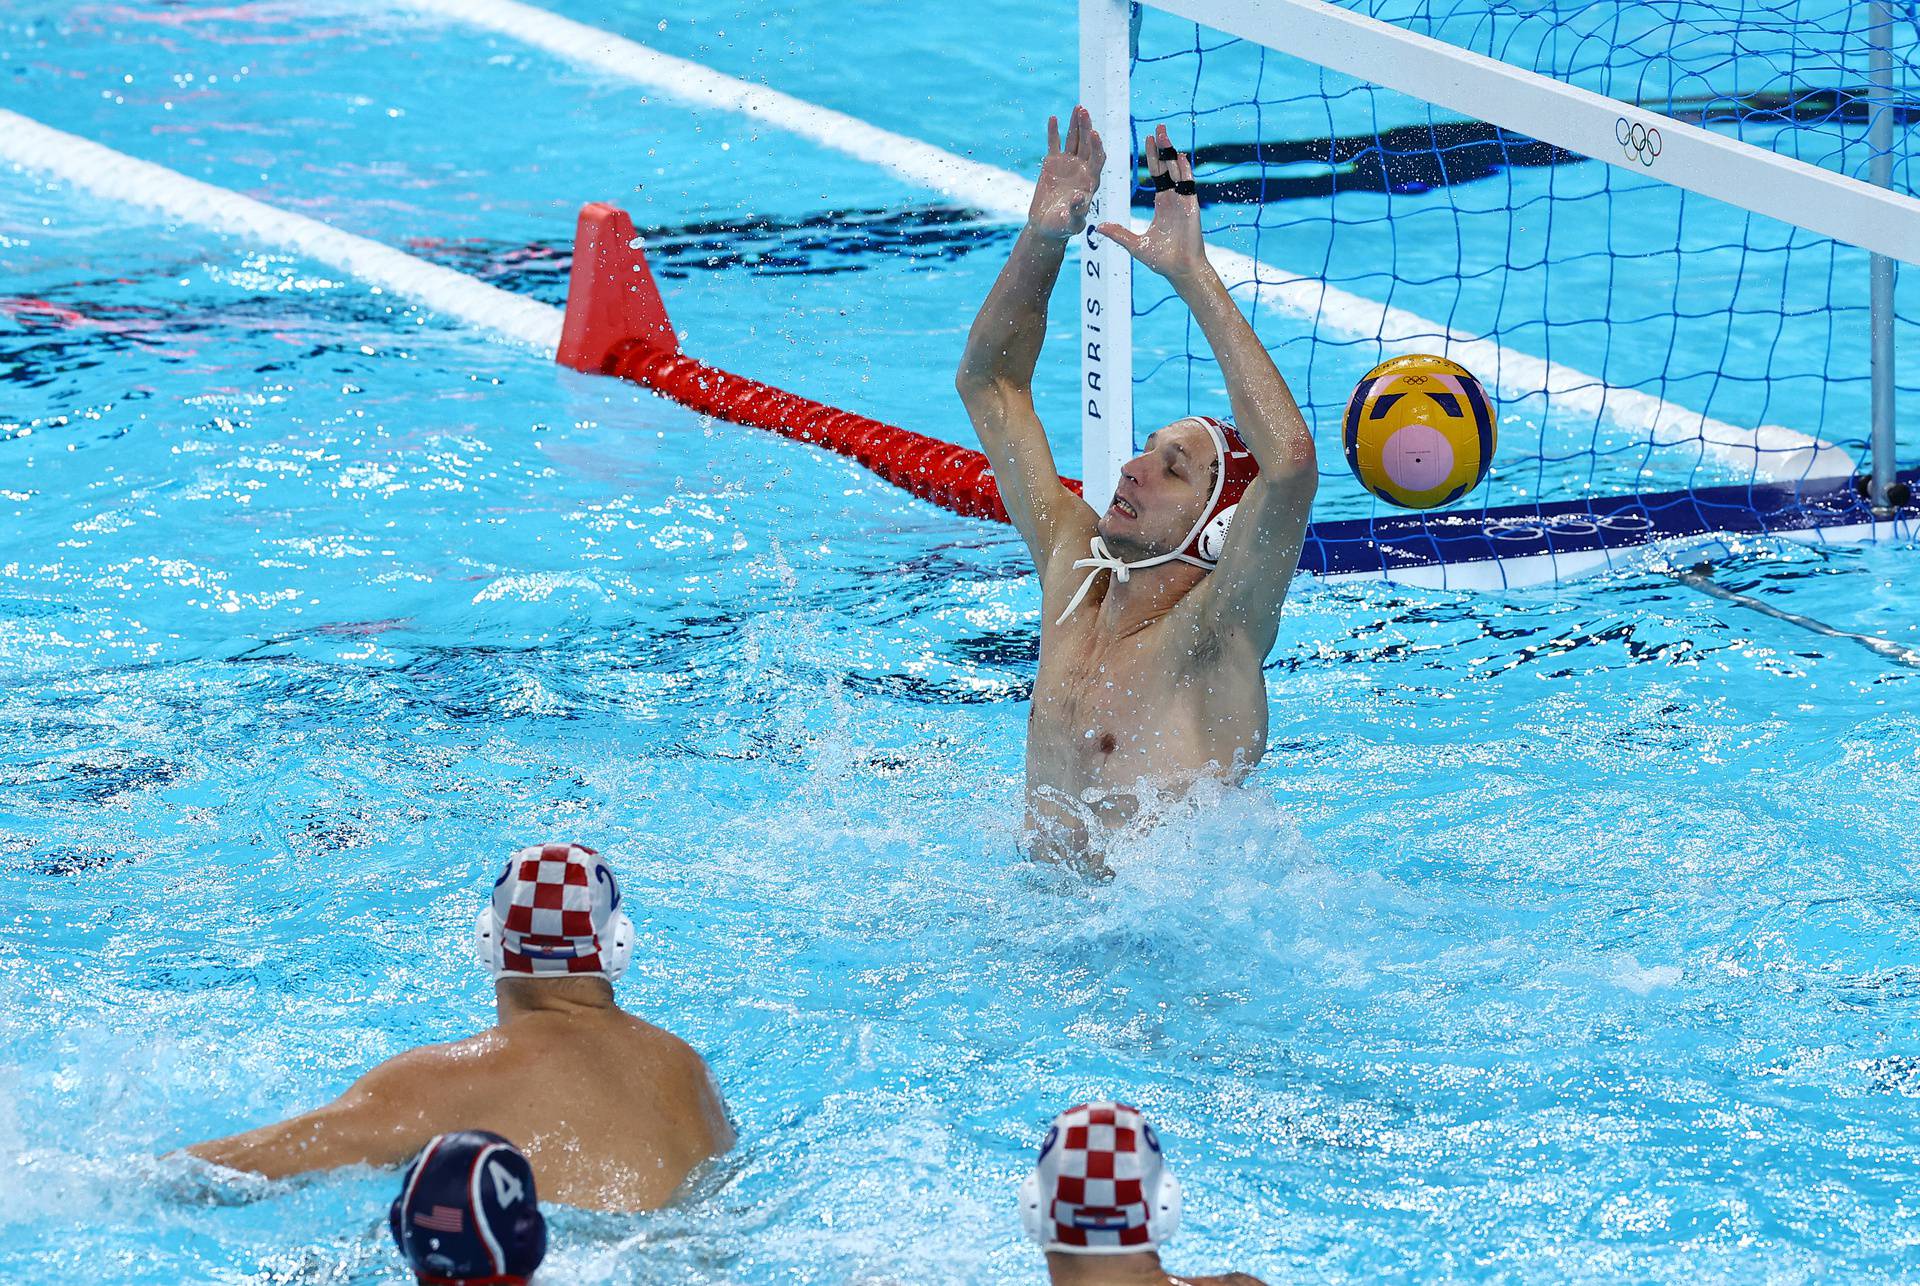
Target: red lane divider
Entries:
(616, 324)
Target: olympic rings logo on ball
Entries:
(1638, 141)
(1567, 525)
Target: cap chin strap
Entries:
(1103, 559)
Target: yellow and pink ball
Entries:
(1419, 431)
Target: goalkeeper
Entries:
(1158, 611)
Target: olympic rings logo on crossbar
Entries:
(1568, 525)
(1640, 142)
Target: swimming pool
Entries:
(1565, 935)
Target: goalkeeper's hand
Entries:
(1064, 192)
(1172, 245)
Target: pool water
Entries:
(1567, 935)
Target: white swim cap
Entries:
(1100, 1186)
(555, 913)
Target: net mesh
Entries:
(1687, 344)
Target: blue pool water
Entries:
(1563, 936)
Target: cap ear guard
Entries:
(524, 1243)
(397, 1212)
(486, 941)
(1166, 1212)
(530, 1234)
(1212, 540)
(393, 1220)
(1032, 1219)
(617, 954)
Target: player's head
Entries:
(1099, 1186)
(467, 1213)
(555, 913)
(1184, 483)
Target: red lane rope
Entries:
(954, 477)
(616, 324)
(939, 473)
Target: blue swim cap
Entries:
(467, 1213)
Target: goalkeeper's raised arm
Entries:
(996, 370)
(1257, 556)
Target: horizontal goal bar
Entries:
(1526, 102)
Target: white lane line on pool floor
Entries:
(1769, 451)
(118, 177)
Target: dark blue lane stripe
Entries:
(1361, 546)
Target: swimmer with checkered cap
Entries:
(1101, 1202)
(613, 1112)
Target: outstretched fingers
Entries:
(1128, 240)
(1170, 168)
(1156, 168)
(1053, 135)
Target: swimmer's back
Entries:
(613, 1112)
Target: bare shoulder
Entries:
(673, 1053)
(1225, 1279)
(433, 1068)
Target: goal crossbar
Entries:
(1699, 160)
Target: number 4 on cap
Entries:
(506, 1188)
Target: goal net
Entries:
(1650, 230)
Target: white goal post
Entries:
(1699, 160)
(1106, 270)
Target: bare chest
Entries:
(1112, 711)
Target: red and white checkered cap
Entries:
(556, 912)
(1100, 1185)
